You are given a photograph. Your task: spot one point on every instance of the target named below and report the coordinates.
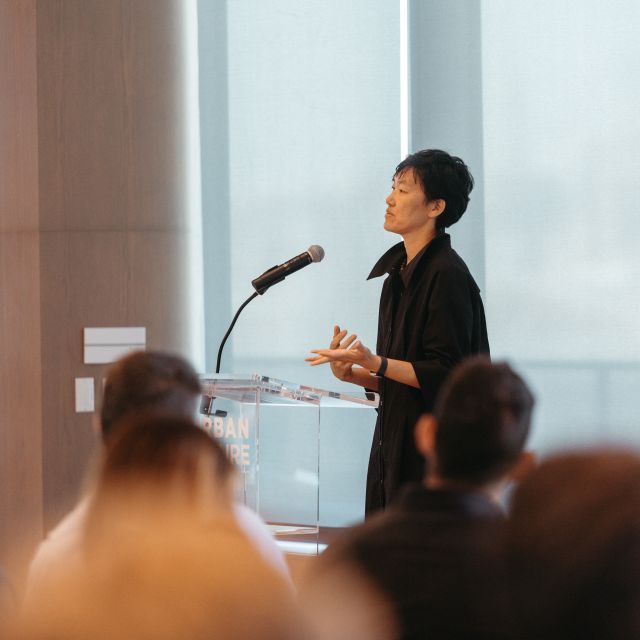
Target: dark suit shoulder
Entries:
(363, 537)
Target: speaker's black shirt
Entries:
(434, 322)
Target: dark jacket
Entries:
(434, 322)
(438, 557)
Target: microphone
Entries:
(276, 274)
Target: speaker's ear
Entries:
(436, 207)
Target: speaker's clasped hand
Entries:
(343, 353)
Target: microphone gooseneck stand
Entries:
(263, 282)
(206, 405)
(230, 329)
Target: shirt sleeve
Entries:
(447, 335)
(262, 540)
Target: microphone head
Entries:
(316, 252)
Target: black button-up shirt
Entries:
(434, 321)
(437, 555)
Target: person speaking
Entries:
(430, 318)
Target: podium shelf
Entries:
(243, 388)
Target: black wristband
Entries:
(383, 367)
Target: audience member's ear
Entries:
(525, 464)
(425, 435)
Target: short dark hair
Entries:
(156, 464)
(156, 446)
(148, 380)
(444, 177)
(483, 413)
(574, 547)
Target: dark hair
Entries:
(156, 463)
(574, 548)
(483, 414)
(148, 380)
(442, 176)
(154, 445)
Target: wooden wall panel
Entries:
(111, 120)
(113, 201)
(96, 278)
(94, 226)
(20, 391)
(18, 117)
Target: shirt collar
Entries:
(417, 497)
(394, 257)
(407, 272)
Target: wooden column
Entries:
(20, 370)
(114, 199)
(97, 193)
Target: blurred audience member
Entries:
(160, 573)
(437, 554)
(574, 540)
(342, 604)
(157, 468)
(178, 582)
(139, 382)
(164, 556)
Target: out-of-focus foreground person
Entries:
(164, 556)
(574, 541)
(180, 584)
(141, 381)
(437, 554)
(158, 468)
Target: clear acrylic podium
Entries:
(272, 430)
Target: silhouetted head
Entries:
(148, 381)
(480, 423)
(158, 466)
(574, 547)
